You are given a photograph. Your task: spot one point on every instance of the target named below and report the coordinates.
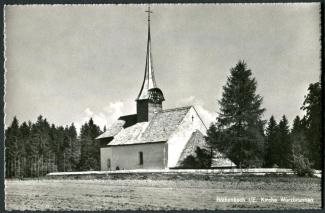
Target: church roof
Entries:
(113, 130)
(158, 129)
(219, 160)
(122, 122)
(130, 135)
(196, 140)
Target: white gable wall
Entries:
(182, 134)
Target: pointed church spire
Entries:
(149, 77)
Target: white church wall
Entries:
(105, 155)
(127, 157)
(182, 134)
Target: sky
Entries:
(72, 62)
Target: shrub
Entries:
(201, 160)
(190, 162)
(301, 166)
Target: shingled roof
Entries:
(196, 140)
(219, 160)
(113, 130)
(122, 122)
(158, 129)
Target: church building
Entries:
(153, 138)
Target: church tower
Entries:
(150, 98)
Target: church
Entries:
(153, 138)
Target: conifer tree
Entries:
(90, 148)
(11, 147)
(298, 136)
(271, 148)
(312, 106)
(239, 125)
(284, 144)
(75, 147)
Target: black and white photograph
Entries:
(162, 106)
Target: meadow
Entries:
(224, 192)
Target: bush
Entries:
(301, 166)
(201, 160)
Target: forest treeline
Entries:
(240, 133)
(35, 149)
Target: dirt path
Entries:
(159, 194)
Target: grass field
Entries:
(162, 194)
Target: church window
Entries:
(141, 158)
(109, 164)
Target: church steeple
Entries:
(149, 77)
(150, 98)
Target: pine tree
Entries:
(52, 161)
(239, 123)
(12, 135)
(312, 106)
(75, 147)
(298, 136)
(60, 149)
(271, 143)
(284, 144)
(24, 148)
(90, 148)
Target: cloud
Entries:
(106, 117)
(88, 112)
(207, 116)
(114, 110)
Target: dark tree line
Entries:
(35, 149)
(301, 144)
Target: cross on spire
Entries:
(148, 11)
(149, 78)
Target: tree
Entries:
(239, 125)
(24, 147)
(284, 145)
(271, 143)
(12, 135)
(298, 137)
(312, 106)
(216, 139)
(90, 148)
(75, 147)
